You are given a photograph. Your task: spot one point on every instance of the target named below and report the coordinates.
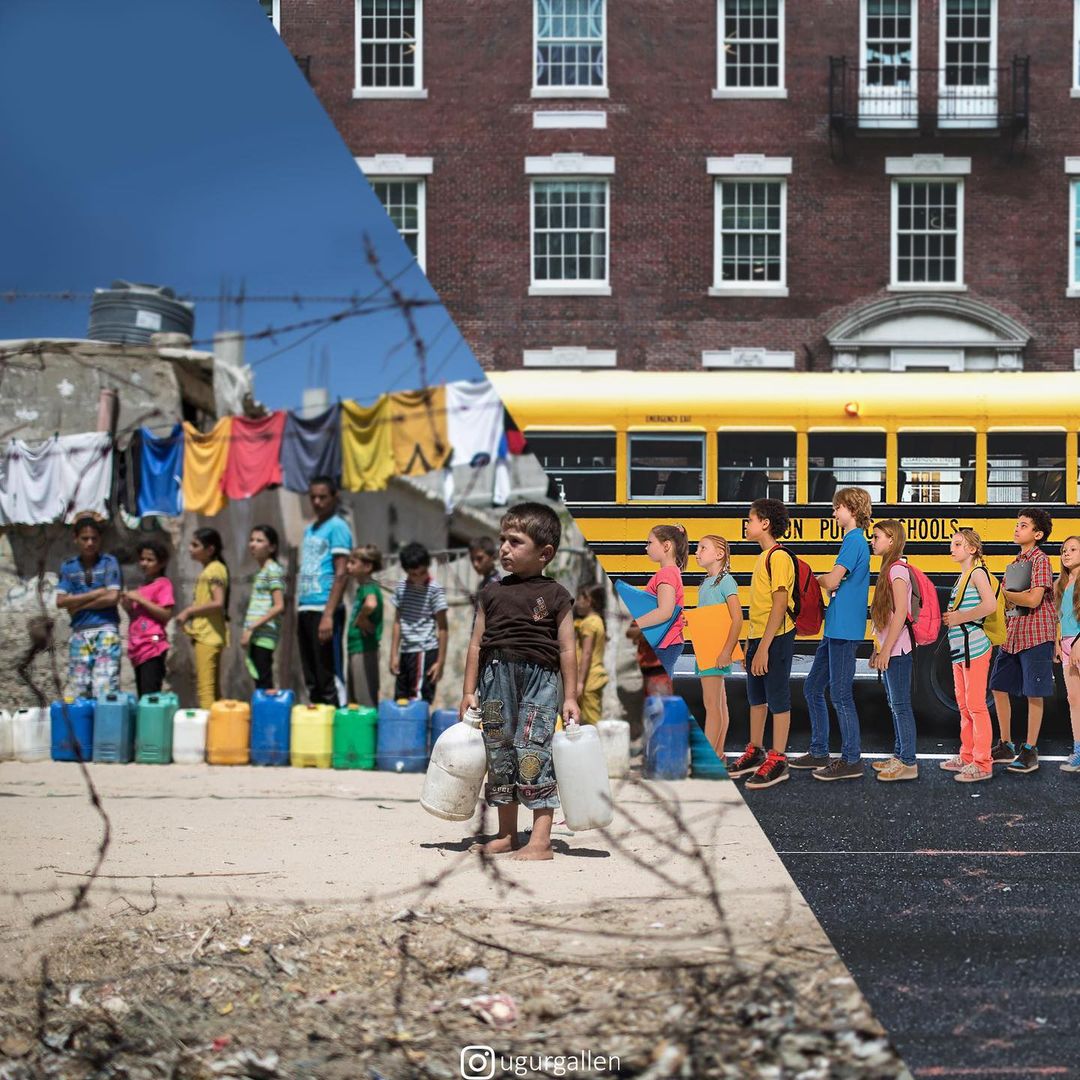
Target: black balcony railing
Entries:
(898, 97)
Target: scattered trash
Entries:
(244, 942)
(116, 1005)
(477, 975)
(404, 915)
(75, 996)
(225, 1009)
(248, 1063)
(499, 1010)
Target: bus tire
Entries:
(934, 700)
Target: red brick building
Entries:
(672, 184)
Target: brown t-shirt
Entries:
(521, 619)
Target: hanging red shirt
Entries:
(254, 459)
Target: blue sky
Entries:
(179, 144)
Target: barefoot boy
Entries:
(522, 663)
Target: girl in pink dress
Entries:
(668, 546)
(149, 607)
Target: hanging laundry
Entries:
(161, 470)
(418, 432)
(85, 473)
(311, 446)
(367, 455)
(205, 457)
(474, 422)
(127, 466)
(30, 484)
(515, 440)
(254, 455)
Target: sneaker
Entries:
(839, 770)
(753, 757)
(774, 770)
(971, 773)
(1026, 761)
(954, 764)
(1073, 764)
(1001, 753)
(897, 770)
(809, 761)
(885, 763)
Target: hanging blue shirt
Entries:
(161, 472)
(845, 617)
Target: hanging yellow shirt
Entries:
(209, 629)
(418, 431)
(592, 626)
(367, 454)
(205, 456)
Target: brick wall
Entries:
(662, 124)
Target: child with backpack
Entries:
(1025, 662)
(668, 545)
(845, 628)
(1067, 601)
(973, 602)
(776, 582)
(894, 652)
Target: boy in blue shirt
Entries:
(845, 629)
(320, 588)
(88, 589)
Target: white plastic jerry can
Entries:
(581, 772)
(456, 770)
(7, 736)
(189, 736)
(615, 740)
(31, 734)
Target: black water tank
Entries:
(130, 313)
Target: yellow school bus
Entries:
(630, 450)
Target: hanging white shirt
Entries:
(474, 422)
(86, 465)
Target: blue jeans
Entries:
(898, 691)
(668, 655)
(833, 669)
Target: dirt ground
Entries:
(306, 923)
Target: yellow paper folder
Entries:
(709, 628)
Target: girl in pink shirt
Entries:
(669, 547)
(149, 607)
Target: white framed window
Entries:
(927, 249)
(272, 10)
(1076, 49)
(967, 83)
(750, 244)
(570, 235)
(400, 184)
(1074, 232)
(389, 48)
(570, 48)
(750, 49)
(888, 64)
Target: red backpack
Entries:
(808, 610)
(924, 619)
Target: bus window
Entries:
(846, 459)
(667, 466)
(1025, 467)
(936, 467)
(755, 465)
(581, 463)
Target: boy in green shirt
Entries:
(365, 625)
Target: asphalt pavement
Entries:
(955, 906)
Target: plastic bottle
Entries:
(31, 734)
(228, 733)
(7, 736)
(456, 771)
(189, 736)
(615, 740)
(580, 769)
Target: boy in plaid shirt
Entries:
(1025, 663)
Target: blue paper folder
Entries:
(639, 602)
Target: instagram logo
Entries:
(477, 1063)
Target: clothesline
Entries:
(406, 433)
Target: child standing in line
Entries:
(365, 625)
(205, 620)
(1025, 663)
(769, 648)
(418, 645)
(483, 554)
(971, 600)
(893, 652)
(262, 621)
(149, 608)
(591, 637)
(714, 556)
(522, 662)
(668, 546)
(88, 589)
(1067, 600)
(833, 669)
